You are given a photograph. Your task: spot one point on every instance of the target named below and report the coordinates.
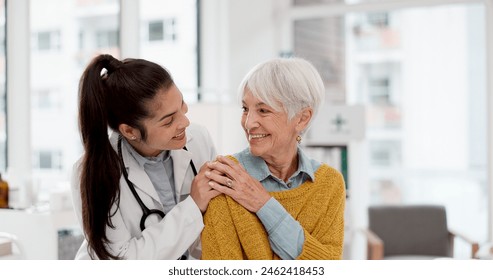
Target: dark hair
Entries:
(111, 92)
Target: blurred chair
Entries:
(415, 232)
(17, 249)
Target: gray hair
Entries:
(286, 84)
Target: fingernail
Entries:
(207, 173)
(211, 184)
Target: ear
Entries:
(130, 133)
(304, 119)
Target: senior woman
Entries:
(277, 203)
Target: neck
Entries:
(283, 167)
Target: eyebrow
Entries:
(170, 114)
(256, 105)
(166, 116)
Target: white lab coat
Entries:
(181, 227)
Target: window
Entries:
(156, 31)
(82, 30)
(106, 39)
(88, 28)
(385, 153)
(426, 112)
(169, 37)
(379, 20)
(162, 30)
(47, 40)
(48, 160)
(379, 90)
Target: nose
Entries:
(250, 121)
(185, 120)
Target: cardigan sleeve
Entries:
(325, 242)
(219, 238)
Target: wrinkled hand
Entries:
(201, 192)
(230, 178)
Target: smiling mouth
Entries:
(256, 136)
(180, 134)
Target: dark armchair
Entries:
(411, 232)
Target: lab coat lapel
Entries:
(181, 164)
(138, 176)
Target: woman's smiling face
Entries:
(166, 125)
(268, 132)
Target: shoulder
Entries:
(242, 157)
(326, 171)
(329, 175)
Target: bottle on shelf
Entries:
(4, 193)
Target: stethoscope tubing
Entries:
(146, 212)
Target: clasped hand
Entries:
(230, 178)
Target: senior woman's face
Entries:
(268, 132)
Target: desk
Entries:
(37, 232)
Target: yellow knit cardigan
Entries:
(233, 233)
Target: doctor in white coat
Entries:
(149, 164)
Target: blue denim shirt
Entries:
(286, 235)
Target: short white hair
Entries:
(285, 84)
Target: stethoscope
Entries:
(146, 212)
